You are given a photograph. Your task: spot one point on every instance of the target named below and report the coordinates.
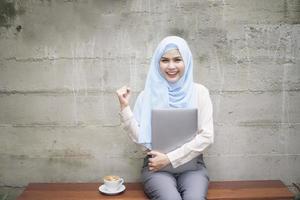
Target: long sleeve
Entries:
(205, 134)
(129, 124)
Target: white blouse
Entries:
(191, 149)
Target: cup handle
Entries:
(121, 181)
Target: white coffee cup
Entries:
(113, 183)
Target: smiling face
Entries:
(171, 65)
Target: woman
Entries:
(170, 84)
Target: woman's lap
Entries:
(160, 185)
(189, 185)
(193, 184)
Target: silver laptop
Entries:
(171, 128)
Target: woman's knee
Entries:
(161, 191)
(160, 185)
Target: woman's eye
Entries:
(177, 60)
(164, 61)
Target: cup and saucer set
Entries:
(113, 185)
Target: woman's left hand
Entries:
(158, 160)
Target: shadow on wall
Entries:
(292, 12)
(8, 12)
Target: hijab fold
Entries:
(159, 93)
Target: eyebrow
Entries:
(168, 58)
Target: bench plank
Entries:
(270, 189)
(134, 191)
(55, 191)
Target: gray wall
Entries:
(61, 62)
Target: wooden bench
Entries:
(273, 189)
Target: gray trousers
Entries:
(188, 185)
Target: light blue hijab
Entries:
(159, 93)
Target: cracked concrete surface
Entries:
(61, 62)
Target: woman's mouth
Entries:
(171, 74)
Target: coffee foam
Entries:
(111, 178)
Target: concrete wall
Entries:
(61, 61)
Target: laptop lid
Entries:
(173, 127)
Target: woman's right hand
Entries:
(124, 96)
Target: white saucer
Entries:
(103, 189)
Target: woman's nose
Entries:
(171, 65)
